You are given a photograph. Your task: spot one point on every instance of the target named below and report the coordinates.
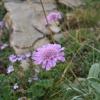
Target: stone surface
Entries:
(48, 6)
(23, 34)
(41, 42)
(71, 3)
(44, 1)
(21, 51)
(35, 1)
(22, 17)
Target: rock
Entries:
(24, 35)
(48, 6)
(24, 40)
(41, 42)
(71, 3)
(40, 23)
(44, 1)
(21, 51)
(24, 20)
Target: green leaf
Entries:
(5, 89)
(77, 98)
(36, 91)
(97, 97)
(95, 84)
(45, 83)
(94, 70)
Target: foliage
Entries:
(2, 10)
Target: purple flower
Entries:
(10, 69)
(21, 57)
(13, 58)
(1, 24)
(48, 55)
(54, 16)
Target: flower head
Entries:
(13, 58)
(21, 57)
(10, 69)
(48, 55)
(53, 17)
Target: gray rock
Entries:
(23, 17)
(48, 6)
(41, 42)
(71, 3)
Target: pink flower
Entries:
(48, 55)
(53, 16)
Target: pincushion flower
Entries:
(48, 55)
(53, 17)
